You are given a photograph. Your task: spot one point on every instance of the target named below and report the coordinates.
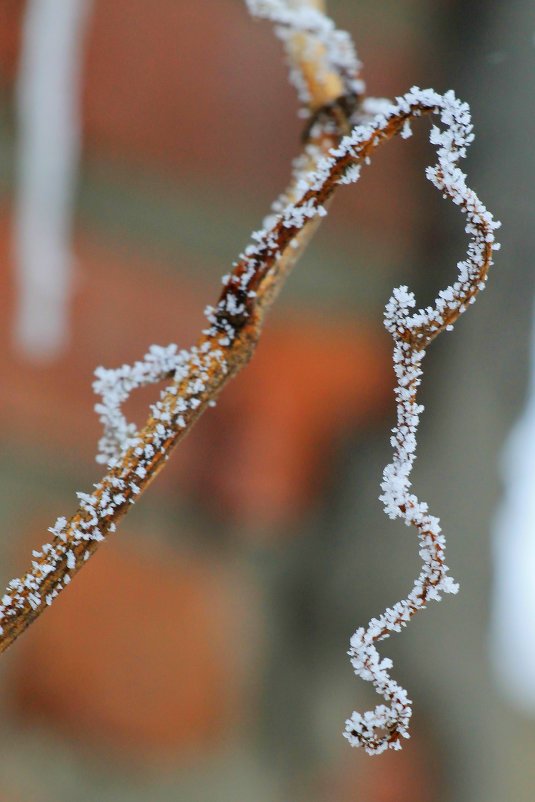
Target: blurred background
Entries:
(201, 655)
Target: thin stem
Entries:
(199, 377)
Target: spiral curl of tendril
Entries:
(412, 331)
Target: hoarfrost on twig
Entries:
(412, 331)
(197, 376)
(115, 386)
(340, 54)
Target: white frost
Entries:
(385, 726)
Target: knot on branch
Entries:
(335, 118)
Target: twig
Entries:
(198, 376)
(323, 61)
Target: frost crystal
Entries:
(115, 387)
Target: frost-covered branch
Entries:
(323, 60)
(195, 377)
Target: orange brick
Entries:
(176, 85)
(412, 775)
(142, 654)
(266, 451)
